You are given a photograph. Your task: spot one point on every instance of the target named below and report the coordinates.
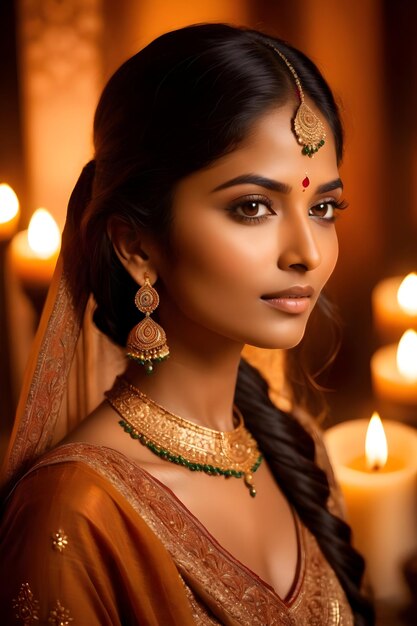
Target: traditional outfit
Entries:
(89, 538)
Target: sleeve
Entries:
(72, 554)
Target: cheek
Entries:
(332, 253)
(214, 275)
(216, 253)
(329, 254)
(205, 268)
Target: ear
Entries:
(133, 250)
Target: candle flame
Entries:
(9, 203)
(407, 355)
(407, 294)
(43, 234)
(376, 447)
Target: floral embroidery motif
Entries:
(26, 607)
(59, 616)
(59, 540)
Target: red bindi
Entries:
(305, 183)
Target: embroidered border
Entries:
(243, 596)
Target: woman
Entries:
(201, 225)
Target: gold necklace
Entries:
(175, 439)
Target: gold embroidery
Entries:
(26, 607)
(59, 616)
(317, 599)
(335, 612)
(59, 540)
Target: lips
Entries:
(297, 291)
(294, 300)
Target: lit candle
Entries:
(394, 370)
(34, 252)
(381, 499)
(394, 302)
(9, 212)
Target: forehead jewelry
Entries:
(307, 127)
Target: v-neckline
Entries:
(177, 503)
(294, 589)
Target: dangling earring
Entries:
(147, 341)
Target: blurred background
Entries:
(55, 57)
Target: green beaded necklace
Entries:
(174, 439)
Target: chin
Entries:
(284, 342)
(284, 335)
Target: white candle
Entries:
(394, 370)
(381, 503)
(34, 252)
(394, 303)
(9, 212)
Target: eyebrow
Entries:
(330, 186)
(274, 185)
(253, 179)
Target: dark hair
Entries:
(182, 102)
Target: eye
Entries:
(327, 210)
(252, 210)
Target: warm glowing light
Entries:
(407, 294)
(9, 204)
(376, 447)
(43, 234)
(407, 355)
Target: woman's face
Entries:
(254, 239)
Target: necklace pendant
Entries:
(248, 480)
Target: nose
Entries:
(298, 246)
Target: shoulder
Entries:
(77, 484)
(102, 429)
(70, 532)
(54, 496)
(312, 426)
(81, 492)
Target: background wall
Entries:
(56, 55)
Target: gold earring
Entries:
(147, 341)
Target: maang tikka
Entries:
(308, 128)
(147, 342)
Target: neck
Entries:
(197, 384)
